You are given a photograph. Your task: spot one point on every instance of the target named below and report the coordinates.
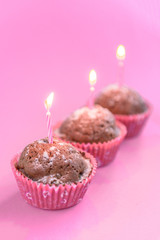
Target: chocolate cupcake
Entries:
(56, 163)
(127, 105)
(87, 125)
(92, 129)
(121, 100)
(53, 175)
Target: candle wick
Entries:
(48, 113)
(92, 88)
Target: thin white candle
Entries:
(92, 82)
(120, 54)
(48, 105)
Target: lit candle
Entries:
(120, 54)
(48, 105)
(92, 82)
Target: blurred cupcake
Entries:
(93, 130)
(127, 106)
(53, 175)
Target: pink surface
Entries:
(52, 45)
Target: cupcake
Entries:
(127, 106)
(53, 175)
(93, 130)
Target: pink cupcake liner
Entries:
(135, 123)
(103, 152)
(52, 197)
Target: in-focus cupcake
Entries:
(127, 106)
(93, 130)
(53, 175)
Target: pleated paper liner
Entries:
(52, 197)
(135, 123)
(103, 152)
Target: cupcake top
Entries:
(54, 163)
(87, 125)
(121, 100)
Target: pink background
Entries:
(52, 45)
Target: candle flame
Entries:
(92, 77)
(49, 100)
(121, 52)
